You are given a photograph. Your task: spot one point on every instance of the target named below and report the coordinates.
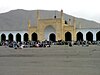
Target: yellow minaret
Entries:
(74, 22)
(61, 14)
(61, 24)
(38, 17)
(74, 29)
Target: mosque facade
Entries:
(52, 29)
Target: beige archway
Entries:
(48, 31)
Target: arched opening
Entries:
(18, 37)
(79, 36)
(52, 37)
(98, 36)
(47, 31)
(25, 37)
(34, 37)
(68, 36)
(10, 37)
(89, 36)
(3, 37)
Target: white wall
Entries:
(48, 31)
(14, 34)
(85, 31)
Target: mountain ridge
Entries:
(18, 19)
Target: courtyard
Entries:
(55, 60)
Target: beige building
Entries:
(46, 25)
(52, 29)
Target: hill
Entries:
(18, 19)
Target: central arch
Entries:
(79, 36)
(89, 36)
(50, 33)
(68, 36)
(52, 37)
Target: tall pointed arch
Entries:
(18, 37)
(98, 36)
(10, 37)
(89, 36)
(34, 36)
(3, 37)
(79, 36)
(52, 37)
(68, 36)
(49, 31)
(26, 37)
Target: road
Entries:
(56, 60)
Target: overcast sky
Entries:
(88, 9)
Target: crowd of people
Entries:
(29, 44)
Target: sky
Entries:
(87, 9)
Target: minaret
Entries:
(61, 24)
(74, 29)
(38, 17)
(74, 22)
(61, 14)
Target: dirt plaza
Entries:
(55, 60)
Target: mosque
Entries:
(52, 29)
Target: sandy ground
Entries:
(56, 60)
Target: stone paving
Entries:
(56, 60)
